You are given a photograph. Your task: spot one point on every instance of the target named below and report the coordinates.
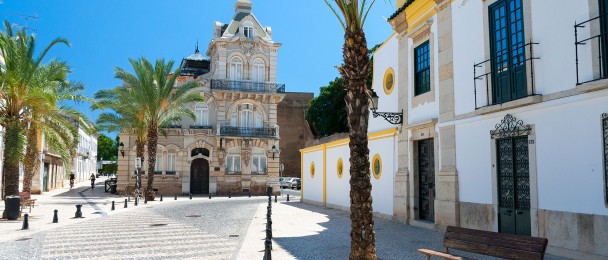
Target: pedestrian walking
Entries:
(92, 181)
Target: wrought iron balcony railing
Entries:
(227, 130)
(247, 86)
(506, 80)
(590, 45)
(201, 127)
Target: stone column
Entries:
(447, 206)
(401, 185)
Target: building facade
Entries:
(295, 131)
(505, 121)
(233, 145)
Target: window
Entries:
(340, 168)
(389, 81)
(202, 114)
(258, 73)
(201, 151)
(507, 50)
(377, 166)
(234, 118)
(605, 132)
(158, 165)
(246, 115)
(233, 161)
(422, 69)
(236, 68)
(171, 163)
(312, 170)
(258, 162)
(248, 30)
(259, 120)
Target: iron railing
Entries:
(586, 44)
(489, 75)
(201, 127)
(227, 130)
(247, 86)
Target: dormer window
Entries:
(248, 30)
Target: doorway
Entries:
(513, 176)
(199, 176)
(426, 180)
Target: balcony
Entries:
(263, 132)
(591, 49)
(201, 127)
(506, 77)
(247, 86)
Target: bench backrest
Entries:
(25, 195)
(495, 244)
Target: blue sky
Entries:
(105, 33)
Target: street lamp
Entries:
(274, 150)
(122, 149)
(395, 118)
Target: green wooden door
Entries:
(603, 39)
(513, 186)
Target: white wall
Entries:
(382, 189)
(338, 190)
(383, 59)
(313, 187)
(569, 153)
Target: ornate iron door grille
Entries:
(426, 181)
(605, 133)
(513, 185)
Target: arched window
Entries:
(248, 30)
(198, 151)
(258, 162)
(158, 165)
(259, 120)
(258, 71)
(236, 68)
(246, 116)
(202, 114)
(171, 163)
(233, 161)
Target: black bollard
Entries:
(190, 195)
(113, 208)
(249, 194)
(26, 225)
(55, 218)
(209, 195)
(78, 212)
(129, 197)
(125, 203)
(275, 198)
(136, 199)
(145, 200)
(161, 197)
(267, 249)
(287, 197)
(175, 197)
(229, 195)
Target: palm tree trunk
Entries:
(139, 149)
(31, 164)
(354, 71)
(13, 153)
(152, 141)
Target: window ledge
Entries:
(592, 86)
(509, 105)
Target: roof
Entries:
(401, 9)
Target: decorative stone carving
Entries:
(220, 156)
(248, 47)
(246, 154)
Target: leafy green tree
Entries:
(18, 98)
(352, 14)
(106, 148)
(327, 112)
(154, 91)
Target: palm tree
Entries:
(162, 103)
(48, 117)
(126, 114)
(20, 67)
(355, 71)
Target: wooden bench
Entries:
(489, 243)
(26, 200)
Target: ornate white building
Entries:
(232, 146)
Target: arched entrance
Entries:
(199, 176)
